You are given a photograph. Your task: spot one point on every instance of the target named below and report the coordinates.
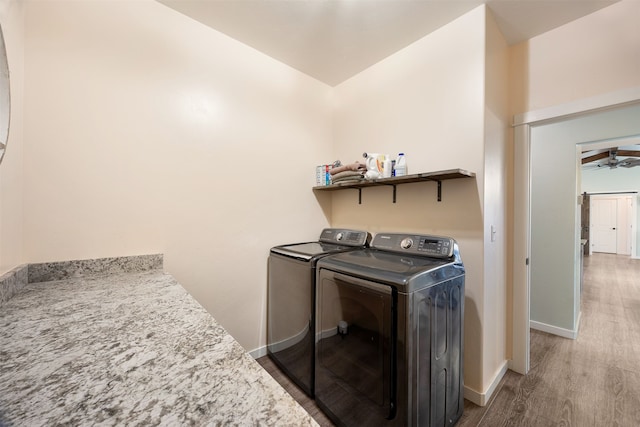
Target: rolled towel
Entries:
(351, 167)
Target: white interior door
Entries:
(625, 210)
(604, 216)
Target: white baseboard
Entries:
(555, 330)
(281, 345)
(258, 352)
(326, 333)
(262, 351)
(481, 399)
(290, 341)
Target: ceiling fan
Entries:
(610, 159)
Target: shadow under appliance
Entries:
(291, 300)
(389, 333)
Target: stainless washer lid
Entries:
(307, 251)
(331, 240)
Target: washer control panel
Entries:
(433, 246)
(345, 237)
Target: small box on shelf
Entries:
(323, 177)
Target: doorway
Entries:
(577, 123)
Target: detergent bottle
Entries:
(401, 165)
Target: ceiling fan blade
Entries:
(594, 166)
(629, 163)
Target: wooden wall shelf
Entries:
(437, 177)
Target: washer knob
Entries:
(339, 236)
(406, 243)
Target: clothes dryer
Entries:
(389, 333)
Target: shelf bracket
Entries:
(439, 183)
(394, 191)
(359, 195)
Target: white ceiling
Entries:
(332, 40)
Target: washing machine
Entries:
(389, 333)
(291, 300)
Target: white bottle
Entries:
(386, 168)
(401, 165)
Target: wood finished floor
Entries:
(591, 381)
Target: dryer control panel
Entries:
(345, 237)
(432, 246)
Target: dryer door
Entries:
(355, 345)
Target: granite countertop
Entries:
(127, 348)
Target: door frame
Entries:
(522, 124)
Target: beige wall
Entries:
(497, 155)
(428, 101)
(597, 54)
(147, 132)
(11, 176)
